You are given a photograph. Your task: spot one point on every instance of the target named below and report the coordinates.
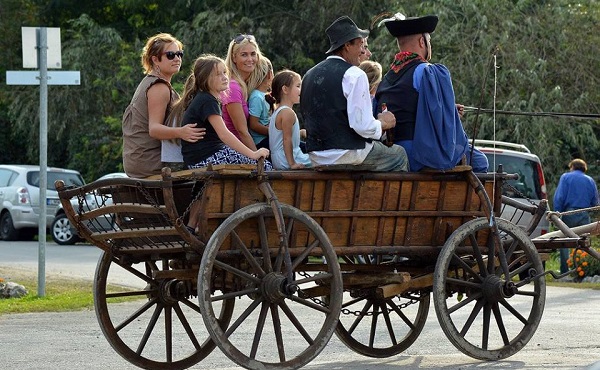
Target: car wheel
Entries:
(62, 233)
(7, 229)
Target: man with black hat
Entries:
(422, 99)
(337, 110)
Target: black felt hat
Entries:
(400, 25)
(341, 31)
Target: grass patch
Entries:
(62, 294)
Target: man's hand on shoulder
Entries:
(387, 119)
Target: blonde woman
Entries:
(242, 59)
(144, 120)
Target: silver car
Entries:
(19, 198)
(529, 187)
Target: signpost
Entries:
(41, 47)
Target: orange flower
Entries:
(579, 268)
(584, 263)
(581, 273)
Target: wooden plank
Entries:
(412, 284)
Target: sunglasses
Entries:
(172, 54)
(240, 37)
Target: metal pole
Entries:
(43, 66)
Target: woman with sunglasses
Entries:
(149, 141)
(242, 58)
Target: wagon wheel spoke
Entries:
(133, 271)
(149, 329)
(492, 294)
(305, 253)
(294, 320)
(466, 267)
(508, 255)
(373, 324)
(485, 337)
(260, 325)
(239, 243)
(478, 306)
(136, 314)
(500, 323)
(169, 334)
(190, 304)
(401, 314)
(514, 312)
(361, 316)
(309, 304)
(388, 324)
(236, 324)
(277, 332)
(464, 302)
(186, 325)
(264, 243)
(477, 254)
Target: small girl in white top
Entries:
(284, 129)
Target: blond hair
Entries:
(155, 45)
(374, 73)
(262, 70)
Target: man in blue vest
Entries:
(336, 106)
(422, 99)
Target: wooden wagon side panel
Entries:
(409, 211)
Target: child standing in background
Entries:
(284, 129)
(258, 107)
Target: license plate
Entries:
(52, 202)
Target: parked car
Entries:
(63, 232)
(19, 198)
(530, 186)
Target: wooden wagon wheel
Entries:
(158, 325)
(279, 322)
(476, 301)
(380, 327)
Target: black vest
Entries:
(325, 108)
(397, 91)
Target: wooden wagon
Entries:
(293, 257)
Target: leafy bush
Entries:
(585, 263)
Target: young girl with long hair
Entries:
(284, 129)
(200, 103)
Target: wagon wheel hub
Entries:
(171, 291)
(274, 287)
(496, 289)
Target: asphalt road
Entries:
(568, 336)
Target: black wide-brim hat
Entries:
(403, 26)
(341, 31)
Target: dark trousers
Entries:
(575, 219)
